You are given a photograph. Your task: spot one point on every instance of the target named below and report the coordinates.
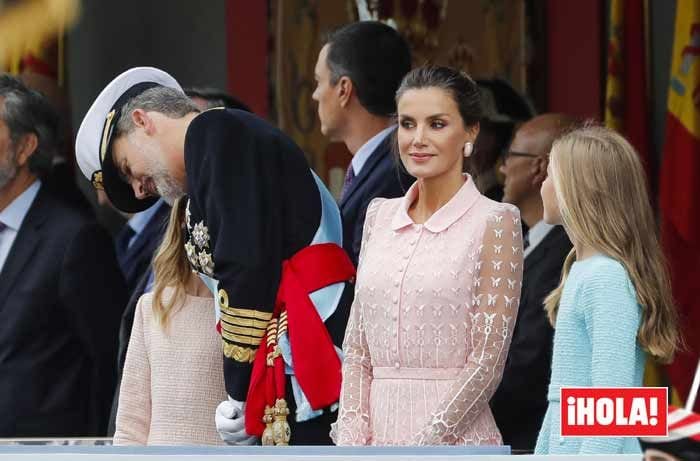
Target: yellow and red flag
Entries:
(626, 95)
(626, 99)
(680, 187)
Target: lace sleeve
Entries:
(352, 427)
(495, 298)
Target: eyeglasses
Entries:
(509, 153)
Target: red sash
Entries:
(316, 363)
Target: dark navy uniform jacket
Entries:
(253, 204)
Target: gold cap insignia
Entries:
(97, 180)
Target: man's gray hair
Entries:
(168, 101)
(26, 111)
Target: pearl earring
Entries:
(468, 148)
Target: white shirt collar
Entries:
(536, 234)
(14, 213)
(364, 152)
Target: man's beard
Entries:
(167, 186)
(8, 169)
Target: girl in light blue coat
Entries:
(614, 305)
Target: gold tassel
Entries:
(268, 436)
(280, 428)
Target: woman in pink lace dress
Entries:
(438, 286)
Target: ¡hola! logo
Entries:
(614, 411)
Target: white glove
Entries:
(230, 423)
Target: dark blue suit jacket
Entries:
(381, 176)
(136, 259)
(61, 297)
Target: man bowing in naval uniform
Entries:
(263, 233)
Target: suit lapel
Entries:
(537, 254)
(377, 156)
(24, 246)
(153, 229)
(541, 251)
(532, 260)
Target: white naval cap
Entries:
(93, 143)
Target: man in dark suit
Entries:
(520, 402)
(357, 73)
(138, 240)
(61, 292)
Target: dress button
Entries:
(413, 242)
(395, 300)
(406, 256)
(396, 283)
(400, 269)
(397, 365)
(394, 318)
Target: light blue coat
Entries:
(595, 344)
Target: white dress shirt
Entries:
(365, 152)
(536, 234)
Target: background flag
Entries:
(680, 187)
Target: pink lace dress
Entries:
(429, 330)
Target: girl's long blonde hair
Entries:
(601, 189)
(170, 266)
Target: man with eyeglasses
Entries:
(520, 402)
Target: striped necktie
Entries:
(349, 178)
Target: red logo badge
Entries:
(614, 411)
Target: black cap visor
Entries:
(120, 193)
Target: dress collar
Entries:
(448, 214)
